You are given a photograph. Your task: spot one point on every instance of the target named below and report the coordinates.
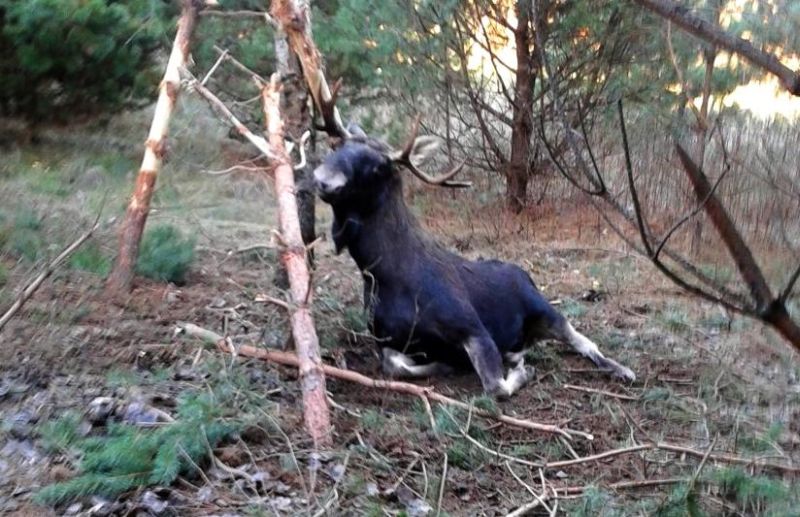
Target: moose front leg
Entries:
(488, 363)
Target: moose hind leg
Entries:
(587, 348)
(488, 363)
(399, 365)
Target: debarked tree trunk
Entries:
(293, 257)
(132, 226)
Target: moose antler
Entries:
(404, 158)
(326, 100)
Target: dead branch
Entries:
(769, 309)
(711, 33)
(734, 242)
(578, 490)
(228, 116)
(289, 359)
(241, 66)
(34, 284)
(244, 13)
(681, 449)
(600, 392)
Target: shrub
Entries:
(65, 57)
(165, 255)
(90, 258)
(21, 236)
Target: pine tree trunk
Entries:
(132, 227)
(297, 120)
(293, 256)
(517, 170)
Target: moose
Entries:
(432, 311)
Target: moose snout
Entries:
(328, 181)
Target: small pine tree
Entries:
(165, 255)
(128, 456)
(61, 58)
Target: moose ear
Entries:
(356, 130)
(423, 148)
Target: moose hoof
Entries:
(517, 377)
(625, 374)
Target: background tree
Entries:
(65, 59)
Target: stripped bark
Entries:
(293, 18)
(293, 257)
(297, 120)
(130, 233)
(713, 34)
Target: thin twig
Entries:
(244, 13)
(699, 469)
(241, 66)
(214, 68)
(441, 487)
(600, 392)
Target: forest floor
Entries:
(708, 381)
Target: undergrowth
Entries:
(127, 456)
(165, 254)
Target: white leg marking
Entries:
(587, 348)
(397, 364)
(517, 377)
(514, 357)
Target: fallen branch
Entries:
(578, 490)
(600, 392)
(671, 447)
(37, 282)
(289, 359)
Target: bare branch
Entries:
(737, 248)
(238, 64)
(244, 13)
(711, 33)
(228, 115)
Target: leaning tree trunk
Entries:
(130, 234)
(297, 120)
(293, 256)
(517, 170)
